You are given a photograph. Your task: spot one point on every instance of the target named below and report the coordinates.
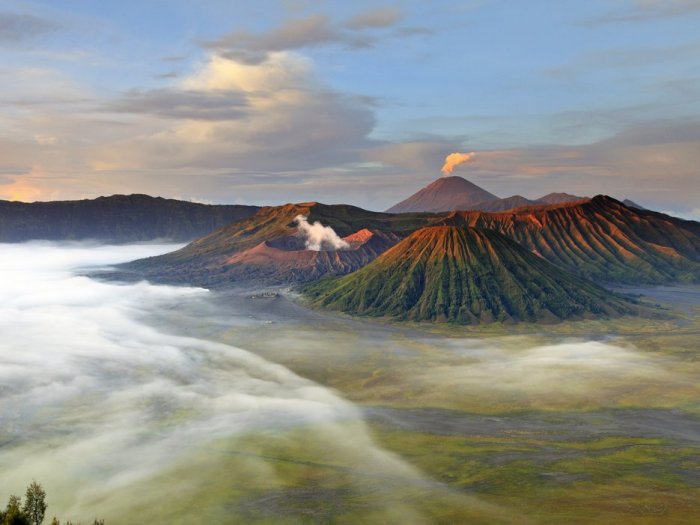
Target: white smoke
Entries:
(318, 237)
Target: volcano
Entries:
(465, 275)
(267, 247)
(455, 193)
(445, 194)
(600, 239)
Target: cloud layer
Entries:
(94, 399)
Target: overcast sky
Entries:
(290, 100)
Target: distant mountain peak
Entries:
(631, 204)
(558, 198)
(444, 194)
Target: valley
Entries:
(242, 405)
(586, 422)
(549, 421)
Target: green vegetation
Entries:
(33, 511)
(464, 275)
(624, 479)
(570, 476)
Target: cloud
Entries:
(312, 31)
(647, 10)
(96, 398)
(182, 104)
(570, 374)
(20, 27)
(318, 237)
(380, 17)
(251, 48)
(223, 123)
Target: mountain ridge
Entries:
(599, 239)
(457, 193)
(116, 218)
(465, 275)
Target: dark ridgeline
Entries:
(117, 219)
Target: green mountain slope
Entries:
(465, 275)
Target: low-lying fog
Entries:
(93, 399)
(105, 386)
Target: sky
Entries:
(275, 101)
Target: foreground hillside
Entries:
(448, 273)
(117, 219)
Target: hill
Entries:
(268, 247)
(465, 275)
(600, 239)
(117, 219)
(631, 204)
(557, 198)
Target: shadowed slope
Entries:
(119, 218)
(448, 273)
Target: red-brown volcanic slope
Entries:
(264, 247)
(287, 260)
(601, 239)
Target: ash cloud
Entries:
(318, 237)
(453, 160)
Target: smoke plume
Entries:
(318, 237)
(455, 159)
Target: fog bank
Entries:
(92, 399)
